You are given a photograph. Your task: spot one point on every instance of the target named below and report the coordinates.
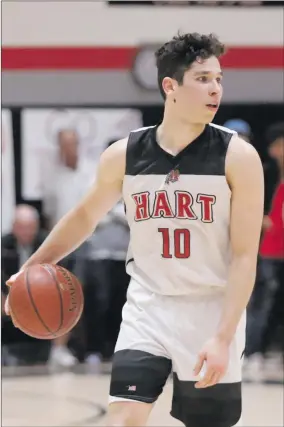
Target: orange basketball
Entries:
(46, 301)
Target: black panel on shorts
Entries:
(138, 375)
(204, 156)
(217, 406)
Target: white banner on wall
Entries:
(7, 173)
(44, 177)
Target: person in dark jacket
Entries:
(25, 238)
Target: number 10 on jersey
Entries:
(178, 246)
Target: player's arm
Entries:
(244, 173)
(81, 221)
(245, 176)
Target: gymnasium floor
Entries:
(79, 399)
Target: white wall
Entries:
(43, 22)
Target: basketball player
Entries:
(193, 193)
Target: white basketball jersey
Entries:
(178, 210)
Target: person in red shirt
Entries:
(272, 245)
(272, 242)
(265, 313)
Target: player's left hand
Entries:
(215, 355)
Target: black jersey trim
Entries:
(204, 156)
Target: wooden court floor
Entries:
(72, 399)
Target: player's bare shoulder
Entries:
(113, 160)
(242, 161)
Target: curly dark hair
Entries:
(176, 56)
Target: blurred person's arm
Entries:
(117, 214)
(80, 222)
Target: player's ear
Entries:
(169, 85)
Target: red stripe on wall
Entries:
(121, 58)
(254, 57)
(67, 58)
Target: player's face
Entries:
(199, 97)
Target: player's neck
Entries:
(174, 135)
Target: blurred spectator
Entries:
(273, 240)
(17, 247)
(105, 280)
(241, 127)
(68, 146)
(24, 239)
(61, 179)
(266, 312)
(272, 245)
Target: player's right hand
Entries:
(10, 283)
(6, 306)
(9, 313)
(12, 279)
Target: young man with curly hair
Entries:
(193, 194)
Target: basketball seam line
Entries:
(26, 328)
(33, 303)
(60, 296)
